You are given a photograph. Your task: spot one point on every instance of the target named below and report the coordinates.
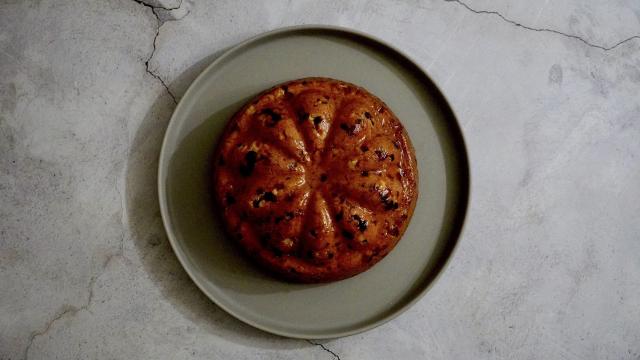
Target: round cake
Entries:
(316, 179)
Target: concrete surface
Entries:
(548, 95)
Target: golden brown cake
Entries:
(316, 179)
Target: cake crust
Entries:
(315, 179)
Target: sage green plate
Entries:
(215, 265)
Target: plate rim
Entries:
(454, 237)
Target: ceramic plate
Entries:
(218, 268)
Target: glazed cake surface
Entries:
(316, 179)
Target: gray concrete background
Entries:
(548, 95)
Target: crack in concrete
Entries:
(160, 21)
(517, 24)
(153, 8)
(70, 310)
(335, 356)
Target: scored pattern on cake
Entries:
(316, 179)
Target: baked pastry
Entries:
(316, 179)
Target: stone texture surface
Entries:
(547, 95)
